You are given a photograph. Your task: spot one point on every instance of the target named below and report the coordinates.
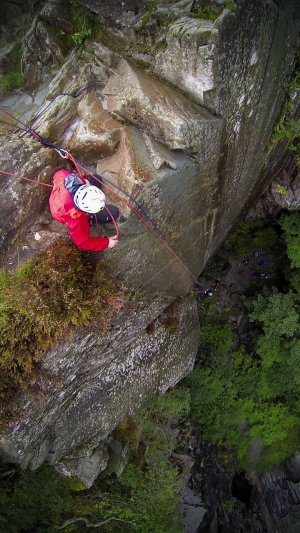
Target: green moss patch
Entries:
(84, 22)
(14, 78)
(44, 301)
(205, 13)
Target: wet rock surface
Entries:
(222, 499)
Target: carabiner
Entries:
(63, 153)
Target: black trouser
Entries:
(103, 217)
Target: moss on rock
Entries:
(43, 301)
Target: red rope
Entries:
(138, 214)
(71, 158)
(80, 168)
(114, 222)
(37, 182)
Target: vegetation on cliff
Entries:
(13, 78)
(47, 298)
(144, 498)
(244, 390)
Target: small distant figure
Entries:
(262, 275)
(79, 204)
(209, 293)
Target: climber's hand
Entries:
(112, 241)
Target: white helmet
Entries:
(89, 198)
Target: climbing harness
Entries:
(134, 206)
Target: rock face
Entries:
(188, 60)
(268, 503)
(161, 111)
(101, 380)
(185, 138)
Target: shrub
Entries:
(215, 340)
(174, 405)
(250, 237)
(84, 22)
(35, 501)
(80, 37)
(291, 231)
(205, 13)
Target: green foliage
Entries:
(211, 13)
(229, 4)
(276, 313)
(14, 78)
(291, 230)
(145, 19)
(286, 128)
(75, 484)
(128, 431)
(150, 8)
(205, 12)
(33, 501)
(144, 498)
(237, 395)
(154, 496)
(295, 82)
(79, 37)
(280, 189)
(278, 345)
(278, 452)
(174, 405)
(84, 23)
(146, 49)
(250, 237)
(147, 492)
(215, 340)
(295, 283)
(42, 302)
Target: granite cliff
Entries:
(176, 110)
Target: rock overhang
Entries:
(159, 109)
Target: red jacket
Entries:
(64, 211)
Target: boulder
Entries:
(161, 111)
(188, 61)
(95, 133)
(87, 468)
(42, 50)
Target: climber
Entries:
(79, 204)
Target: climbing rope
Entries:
(104, 182)
(37, 182)
(113, 221)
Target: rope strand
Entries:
(37, 182)
(138, 210)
